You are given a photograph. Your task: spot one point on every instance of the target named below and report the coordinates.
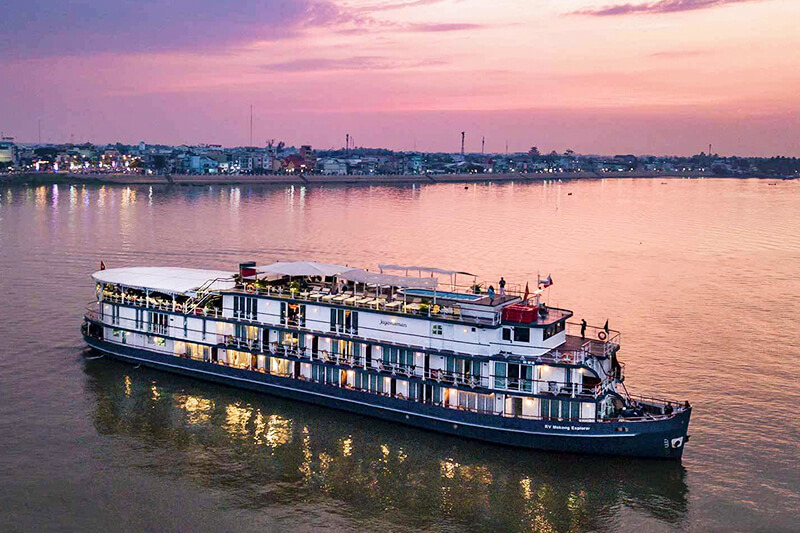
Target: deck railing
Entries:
(655, 408)
(258, 344)
(580, 356)
(376, 302)
(596, 337)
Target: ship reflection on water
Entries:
(264, 451)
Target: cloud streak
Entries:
(47, 28)
(359, 63)
(657, 7)
(393, 5)
(444, 27)
(679, 54)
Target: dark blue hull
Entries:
(663, 438)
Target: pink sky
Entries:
(596, 76)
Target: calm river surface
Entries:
(701, 277)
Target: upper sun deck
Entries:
(420, 296)
(172, 281)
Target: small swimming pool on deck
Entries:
(463, 297)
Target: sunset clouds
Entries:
(659, 6)
(184, 71)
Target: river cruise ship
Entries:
(405, 343)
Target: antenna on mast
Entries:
(251, 124)
(463, 133)
(483, 144)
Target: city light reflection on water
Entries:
(294, 452)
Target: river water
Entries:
(701, 277)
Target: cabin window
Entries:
(465, 368)
(246, 333)
(158, 341)
(375, 383)
(332, 376)
(506, 334)
(198, 352)
(293, 314)
(291, 340)
(522, 334)
(563, 409)
(115, 314)
(344, 320)
(570, 409)
(245, 307)
(157, 322)
(553, 329)
(281, 367)
(399, 357)
(483, 403)
(437, 329)
(415, 391)
(348, 349)
(513, 376)
(318, 373)
(500, 373)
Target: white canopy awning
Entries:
(432, 270)
(301, 268)
(386, 280)
(169, 280)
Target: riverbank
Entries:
(315, 179)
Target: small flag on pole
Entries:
(527, 292)
(606, 326)
(546, 282)
(102, 266)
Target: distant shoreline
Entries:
(316, 179)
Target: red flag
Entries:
(527, 292)
(102, 266)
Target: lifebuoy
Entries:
(602, 335)
(250, 288)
